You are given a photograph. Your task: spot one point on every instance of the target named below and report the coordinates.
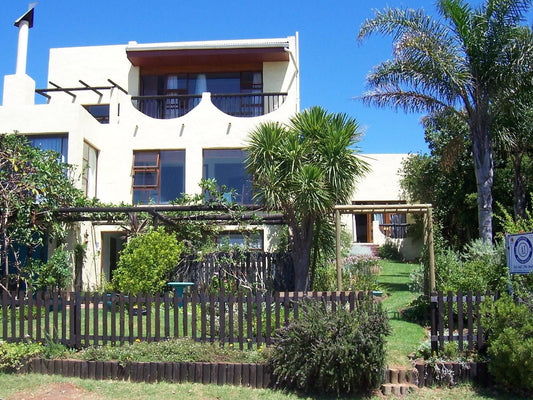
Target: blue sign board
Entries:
(519, 251)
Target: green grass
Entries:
(10, 384)
(406, 336)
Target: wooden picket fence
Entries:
(243, 320)
(455, 317)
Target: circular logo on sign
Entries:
(523, 250)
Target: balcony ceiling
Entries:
(205, 57)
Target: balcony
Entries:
(237, 105)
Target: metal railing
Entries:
(394, 231)
(237, 105)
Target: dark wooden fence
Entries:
(83, 319)
(265, 271)
(455, 317)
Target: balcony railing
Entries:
(237, 105)
(394, 231)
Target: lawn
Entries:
(406, 336)
(28, 385)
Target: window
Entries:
(99, 111)
(57, 143)
(227, 167)
(214, 82)
(173, 95)
(248, 240)
(158, 176)
(90, 165)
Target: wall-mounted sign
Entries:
(519, 251)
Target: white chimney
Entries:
(24, 24)
(19, 89)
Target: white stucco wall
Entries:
(205, 127)
(382, 183)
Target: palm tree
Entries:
(304, 169)
(460, 63)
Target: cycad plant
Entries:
(303, 169)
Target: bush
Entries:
(14, 355)
(509, 323)
(417, 311)
(172, 350)
(389, 251)
(56, 274)
(480, 266)
(332, 351)
(325, 277)
(360, 272)
(147, 263)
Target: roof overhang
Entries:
(208, 53)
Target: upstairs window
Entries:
(158, 176)
(213, 82)
(227, 167)
(90, 164)
(100, 112)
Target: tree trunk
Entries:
(5, 242)
(519, 187)
(301, 255)
(484, 167)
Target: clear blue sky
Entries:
(333, 66)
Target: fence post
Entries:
(434, 311)
(75, 320)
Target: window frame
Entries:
(151, 168)
(208, 174)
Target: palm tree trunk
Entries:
(519, 187)
(484, 168)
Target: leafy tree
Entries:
(33, 183)
(304, 169)
(513, 123)
(444, 178)
(460, 63)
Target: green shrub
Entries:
(325, 277)
(56, 274)
(147, 262)
(417, 311)
(509, 323)
(338, 351)
(480, 266)
(172, 350)
(14, 355)
(360, 272)
(389, 251)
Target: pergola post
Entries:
(432, 283)
(338, 248)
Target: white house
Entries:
(146, 122)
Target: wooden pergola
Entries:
(425, 209)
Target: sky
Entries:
(333, 65)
